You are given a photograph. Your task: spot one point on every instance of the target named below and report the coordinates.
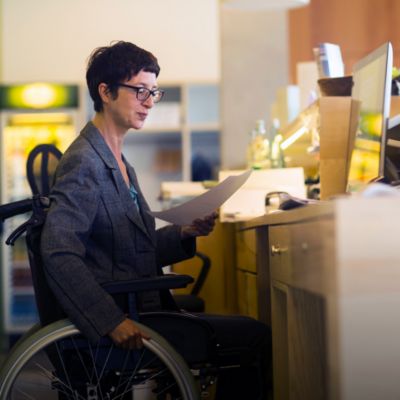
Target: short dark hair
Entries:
(115, 63)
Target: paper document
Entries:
(205, 204)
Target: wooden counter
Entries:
(328, 280)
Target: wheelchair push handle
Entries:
(17, 207)
(37, 204)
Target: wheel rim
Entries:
(39, 353)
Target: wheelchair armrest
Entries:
(171, 281)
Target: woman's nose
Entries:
(149, 102)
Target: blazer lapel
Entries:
(148, 220)
(91, 133)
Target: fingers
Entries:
(133, 342)
(199, 227)
(204, 226)
(128, 336)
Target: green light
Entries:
(38, 96)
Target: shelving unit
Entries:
(180, 140)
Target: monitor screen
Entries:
(372, 77)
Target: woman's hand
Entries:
(199, 227)
(127, 335)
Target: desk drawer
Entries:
(246, 250)
(300, 254)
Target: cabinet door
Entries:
(312, 255)
(280, 253)
(302, 254)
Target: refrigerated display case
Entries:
(29, 115)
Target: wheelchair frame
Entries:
(38, 337)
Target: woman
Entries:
(98, 230)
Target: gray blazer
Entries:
(94, 234)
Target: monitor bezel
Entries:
(384, 50)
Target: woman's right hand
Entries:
(127, 335)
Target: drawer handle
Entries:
(276, 250)
(304, 246)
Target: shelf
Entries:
(23, 291)
(204, 127)
(20, 328)
(177, 132)
(21, 264)
(157, 130)
(161, 129)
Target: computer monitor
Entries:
(372, 77)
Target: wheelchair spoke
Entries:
(122, 371)
(63, 365)
(98, 386)
(66, 366)
(167, 388)
(129, 380)
(25, 394)
(81, 359)
(67, 390)
(94, 359)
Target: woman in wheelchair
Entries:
(98, 231)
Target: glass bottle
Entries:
(277, 157)
(258, 148)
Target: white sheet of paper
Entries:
(249, 201)
(205, 204)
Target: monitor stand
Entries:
(392, 151)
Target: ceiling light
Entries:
(263, 4)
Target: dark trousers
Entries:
(248, 342)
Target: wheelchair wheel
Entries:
(56, 362)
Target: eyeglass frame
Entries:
(149, 92)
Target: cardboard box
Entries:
(338, 127)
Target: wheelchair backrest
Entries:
(48, 308)
(40, 171)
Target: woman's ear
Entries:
(104, 92)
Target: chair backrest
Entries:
(192, 302)
(206, 264)
(40, 168)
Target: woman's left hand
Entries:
(199, 227)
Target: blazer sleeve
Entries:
(171, 248)
(74, 202)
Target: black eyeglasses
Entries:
(142, 93)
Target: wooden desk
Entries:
(329, 280)
(219, 290)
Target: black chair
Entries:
(192, 302)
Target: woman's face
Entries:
(126, 110)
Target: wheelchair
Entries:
(54, 361)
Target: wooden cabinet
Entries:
(296, 257)
(246, 272)
(330, 276)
